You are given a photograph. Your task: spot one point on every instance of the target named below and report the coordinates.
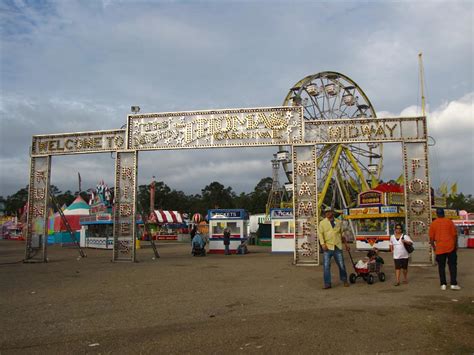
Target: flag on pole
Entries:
(400, 180)
(454, 189)
(443, 189)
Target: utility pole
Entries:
(422, 83)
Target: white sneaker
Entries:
(443, 287)
(455, 287)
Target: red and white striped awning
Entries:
(161, 216)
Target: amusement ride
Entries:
(344, 170)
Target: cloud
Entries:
(69, 66)
(451, 127)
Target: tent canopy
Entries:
(77, 207)
(73, 213)
(161, 216)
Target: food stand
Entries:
(234, 219)
(283, 230)
(378, 212)
(375, 217)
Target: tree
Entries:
(15, 202)
(162, 192)
(65, 198)
(143, 200)
(461, 202)
(259, 196)
(216, 195)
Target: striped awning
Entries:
(161, 216)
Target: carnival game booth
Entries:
(283, 230)
(73, 213)
(97, 229)
(377, 213)
(167, 225)
(234, 219)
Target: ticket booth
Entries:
(236, 220)
(283, 230)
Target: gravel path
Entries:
(255, 303)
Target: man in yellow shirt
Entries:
(330, 238)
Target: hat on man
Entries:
(328, 209)
(440, 212)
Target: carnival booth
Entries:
(12, 230)
(377, 213)
(234, 219)
(166, 225)
(465, 227)
(73, 213)
(283, 230)
(97, 227)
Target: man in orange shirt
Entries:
(443, 240)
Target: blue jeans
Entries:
(328, 254)
(226, 249)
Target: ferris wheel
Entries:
(344, 170)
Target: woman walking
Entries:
(400, 254)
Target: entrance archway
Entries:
(233, 128)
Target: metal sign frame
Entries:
(233, 128)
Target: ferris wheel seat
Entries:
(348, 99)
(313, 90)
(331, 89)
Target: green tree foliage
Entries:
(215, 195)
(143, 199)
(15, 202)
(259, 196)
(461, 202)
(65, 198)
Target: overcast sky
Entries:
(70, 66)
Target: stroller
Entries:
(373, 267)
(197, 250)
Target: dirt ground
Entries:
(254, 303)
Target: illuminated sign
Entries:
(363, 130)
(81, 142)
(371, 198)
(220, 128)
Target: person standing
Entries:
(330, 238)
(226, 241)
(193, 232)
(400, 254)
(443, 240)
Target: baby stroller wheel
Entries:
(352, 278)
(382, 276)
(370, 279)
